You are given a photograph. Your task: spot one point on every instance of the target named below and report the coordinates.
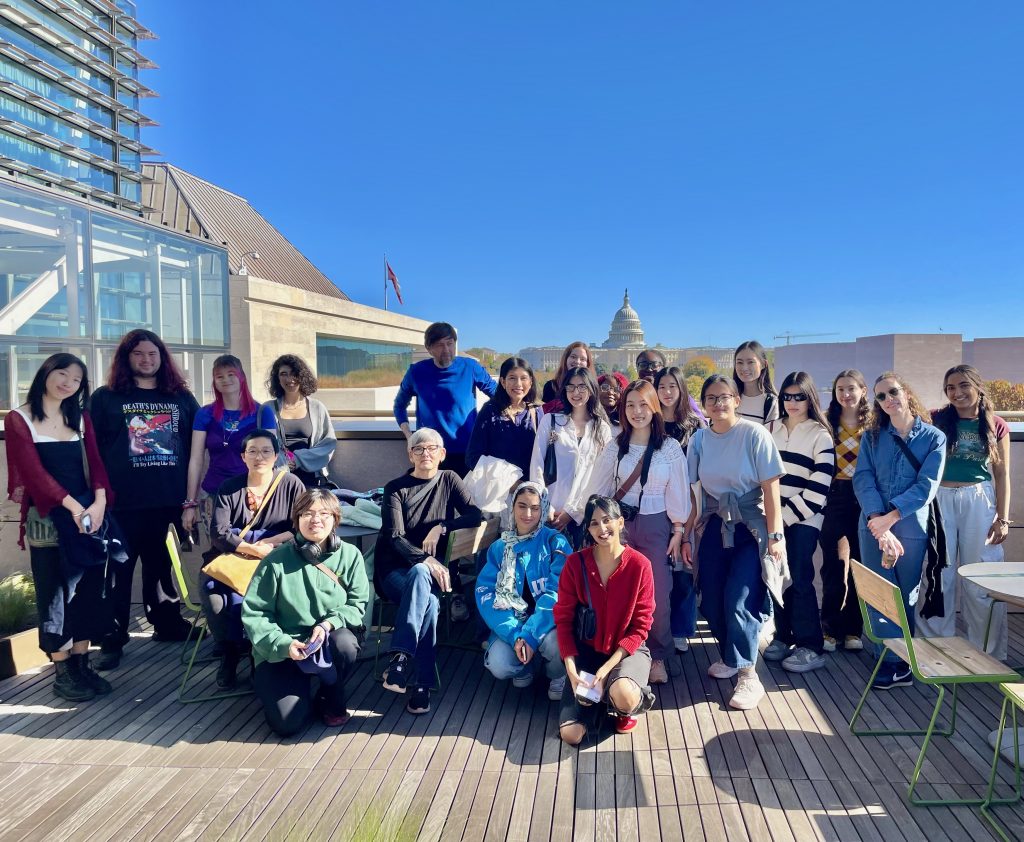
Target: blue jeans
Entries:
(415, 634)
(798, 620)
(906, 573)
(733, 595)
(683, 604)
(503, 664)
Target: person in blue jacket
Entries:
(516, 592)
(445, 388)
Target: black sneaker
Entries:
(889, 678)
(396, 676)
(109, 659)
(80, 663)
(69, 684)
(227, 672)
(172, 632)
(419, 701)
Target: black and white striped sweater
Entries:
(809, 455)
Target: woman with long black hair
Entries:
(847, 416)
(577, 437)
(507, 425)
(974, 501)
(57, 476)
(759, 402)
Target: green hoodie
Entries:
(288, 596)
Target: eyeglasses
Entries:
(894, 392)
(420, 449)
(313, 515)
(800, 398)
(718, 400)
(266, 454)
(606, 388)
(577, 387)
(649, 365)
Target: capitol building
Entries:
(619, 351)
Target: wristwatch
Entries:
(776, 536)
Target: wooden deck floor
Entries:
(485, 763)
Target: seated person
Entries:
(616, 583)
(303, 611)
(516, 591)
(419, 510)
(252, 514)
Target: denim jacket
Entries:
(885, 480)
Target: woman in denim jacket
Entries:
(894, 497)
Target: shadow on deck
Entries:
(486, 763)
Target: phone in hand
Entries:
(87, 523)
(313, 645)
(585, 694)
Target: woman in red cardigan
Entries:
(615, 583)
(46, 438)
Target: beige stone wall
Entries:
(269, 319)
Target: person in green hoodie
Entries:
(302, 612)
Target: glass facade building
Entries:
(69, 98)
(73, 277)
(343, 361)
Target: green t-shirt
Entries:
(968, 460)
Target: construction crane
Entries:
(789, 337)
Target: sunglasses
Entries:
(787, 397)
(894, 392)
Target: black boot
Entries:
(80, 663)
(109, 659)
(226, 672)
(69, 684)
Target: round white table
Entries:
(1004, 580)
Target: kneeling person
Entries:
(516, 592)
(613, 587)
(302, 612)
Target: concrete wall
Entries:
(997, 359)
(269, 319)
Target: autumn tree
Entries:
(1006, 396)
(702, 367)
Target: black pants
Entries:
(840, 610)
(70, 603)
(222, 607)
(797, 620)
(284, 690)
(145, 531)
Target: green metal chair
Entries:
(935, 661)
(196, 634)
(1013, 698)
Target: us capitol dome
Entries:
(626, 331)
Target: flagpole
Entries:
(385, 281)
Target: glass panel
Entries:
(128, 128)
(45, 158)
(87, 9)
(57, 94)
(128, 158)
(127, 98)
(343, 362)
(64, 27)
(41, 253)
(213, 268)
(61, 60)
(43, 121)
(129, 68)
(28, 359)
(131, 190)
(124, 258)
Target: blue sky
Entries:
(744, 168)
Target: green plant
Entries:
(17, 602)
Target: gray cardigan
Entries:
(321, 448)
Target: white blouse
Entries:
(575, 459)
(666, 490)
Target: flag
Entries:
(394, 282)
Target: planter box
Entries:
(20, 652)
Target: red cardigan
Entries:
(624, 607)
(29, 484)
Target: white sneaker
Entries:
(555, 688)
(682, 644)
(719, 670)
(853, 643)
(522, 681)
(748, 693)
(829, 643)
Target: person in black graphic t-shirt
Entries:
(143, 421)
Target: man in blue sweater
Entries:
(445, 390)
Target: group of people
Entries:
(632, 501)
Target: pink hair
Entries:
(246, 403)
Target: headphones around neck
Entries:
(311, 551)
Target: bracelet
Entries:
(678, 529)
(686, 540)
(190, 504)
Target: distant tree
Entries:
(1006, 396)
(702, 367)
(693, 385)
(630, 374)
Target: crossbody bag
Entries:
(641, 472)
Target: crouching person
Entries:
(516, 591)
(604, 611)
(302, 612)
